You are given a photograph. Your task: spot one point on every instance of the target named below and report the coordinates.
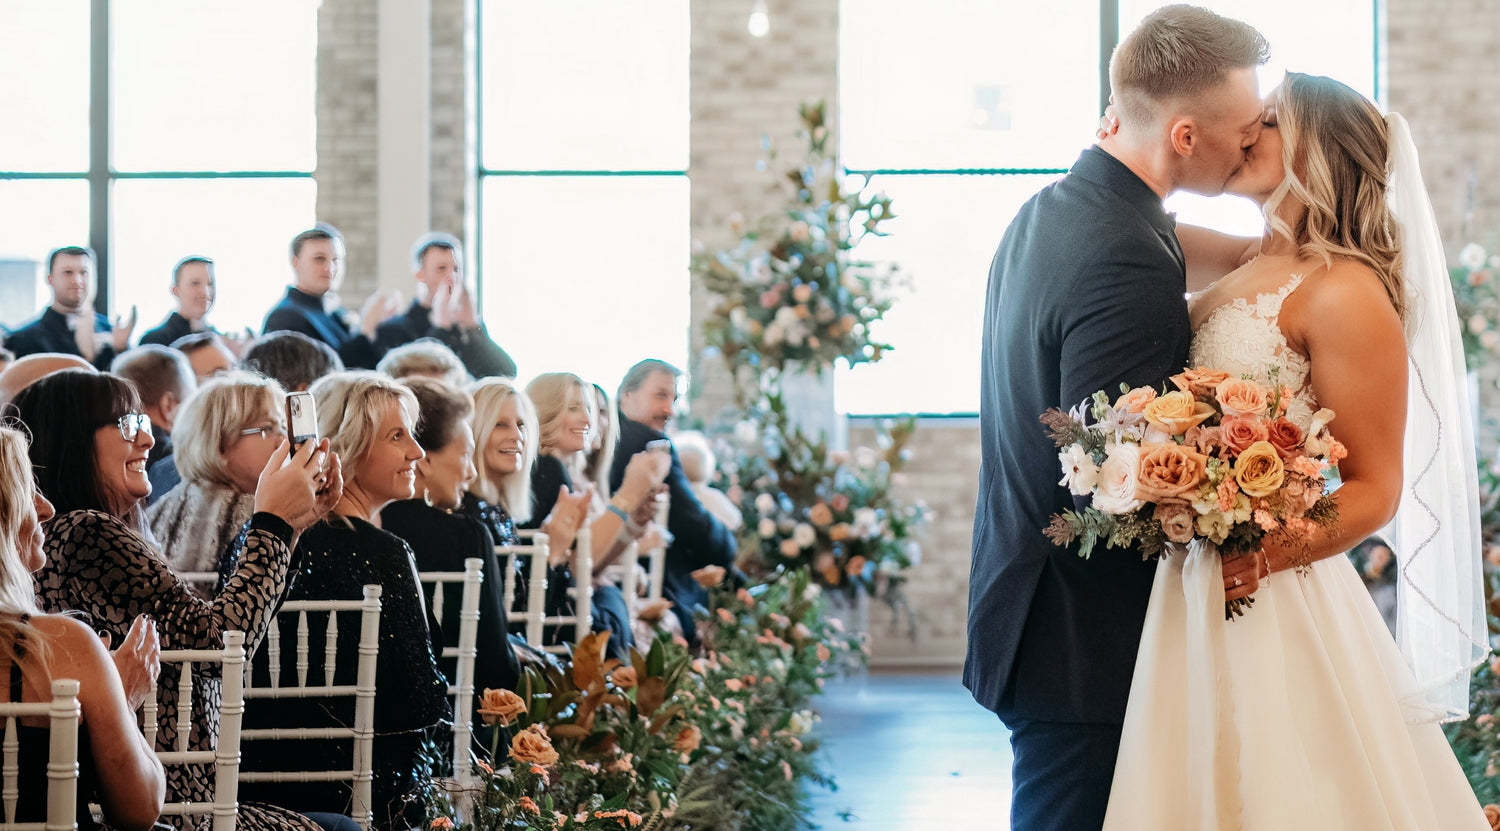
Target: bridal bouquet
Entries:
(1216, 460)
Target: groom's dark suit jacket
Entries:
(1086, 291)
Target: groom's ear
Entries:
(1183, 134)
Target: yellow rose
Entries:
(1238, 396)
(1258, 470)
(500, 707)
(532, 746)
(1176, 412)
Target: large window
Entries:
(583, 244)
(208, 147)
(991, 102)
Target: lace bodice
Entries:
(1244, 338)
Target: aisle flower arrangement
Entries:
(1476, 294)
(673, 740)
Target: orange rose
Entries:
(532, 747)
(1239, 432)
(1200, 381)
(624, 677)
(1169, 470)
(1259, 470)
(1286, 437)
(1492, 814)
(688, 739)
(1136, 400)
(1177, 412)
(820, 515)
(855, 566)
(840, 532)
(501, 707)
(1240, 396)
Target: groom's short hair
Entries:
(1180, 51)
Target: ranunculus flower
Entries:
(500, 707)
(688, 739)
(1259, 470)
(1116, 491)
(1169, 470)
(1286, 437)
(821, 515)
(532, 747)
(1239, 432)
(1200, 381)
(624, 677)
(1080, 474)
(1176, 412)
(1136, 400)
(1176, 518)
(1241, 396)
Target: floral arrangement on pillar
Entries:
(793, 298)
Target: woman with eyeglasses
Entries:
(88, 448)
(227, 432)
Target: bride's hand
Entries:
(1242, 575)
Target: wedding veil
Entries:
(1441, 623)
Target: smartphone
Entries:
(301, 418)
(660, 445)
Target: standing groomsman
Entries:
(70, 325)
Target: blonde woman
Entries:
(116, 766)
(426, 358)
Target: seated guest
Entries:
(369, 419)
(442, 537)
(699, 466)
(164, 380)
(230, 428)
(116, 767)
(207, 352)
(292, 359)
(70, 325)
(444, 310)
(194, 287)
(89, 446)
(318, 264)
(646, 399)
(565, 417)
(424, 358)
(24, 371)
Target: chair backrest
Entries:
(225, 756)
(463, 651)
(362, 733)
(582, 591)
(656, 566)
(62, 759)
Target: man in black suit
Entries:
(444, 310)
(69, 325)
(645, 399)
(318, 265)
(1087, 292)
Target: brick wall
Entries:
(346, 174)
(454, 157)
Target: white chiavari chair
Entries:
(63, 714)
(469, 582)
(532, 556)
(582, 590)
(225, 757)
(362, 733)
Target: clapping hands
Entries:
(562, 524)
(378, 308)
(124, 327)
(453, 305)
(138, 660)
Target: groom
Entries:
(1087, 291)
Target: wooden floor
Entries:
(910, 752)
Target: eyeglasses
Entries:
(267, 431)
(132, 424)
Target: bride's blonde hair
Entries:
(1336, 152)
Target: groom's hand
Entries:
(1242, 574)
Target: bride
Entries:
(1304, 713)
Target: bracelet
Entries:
(619, 512)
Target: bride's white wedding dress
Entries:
(1290, 717)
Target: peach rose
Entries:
(442, 824)
(1176, 518)
(688, 739)
(1240, 396)
(1136, 400)
(820, 515)
(1169, 470)
(532, 747)
(624, 677)
(824, 653)
(840, 532)
(1258, 470)
(1177, 412)
(1199, 381)
(855, 566)
(501, 707)
(1286, 437)
(1492, 814)
(1239, 432)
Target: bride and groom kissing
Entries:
(1129, 706)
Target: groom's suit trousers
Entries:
(1062, 775)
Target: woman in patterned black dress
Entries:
(89, 445)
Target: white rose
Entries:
(1080, 473)
(777, 669)
(746, 432)
(865, 457)
(760, 272)
(864, 520)
(774, 334)
(765, 504)
(786, 316)
(811, 593)
(804, 535)
(800, 723)
(766, 528)
(1115, 492)
(739, 318)
(1472, 256)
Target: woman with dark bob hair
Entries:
(89, 446)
